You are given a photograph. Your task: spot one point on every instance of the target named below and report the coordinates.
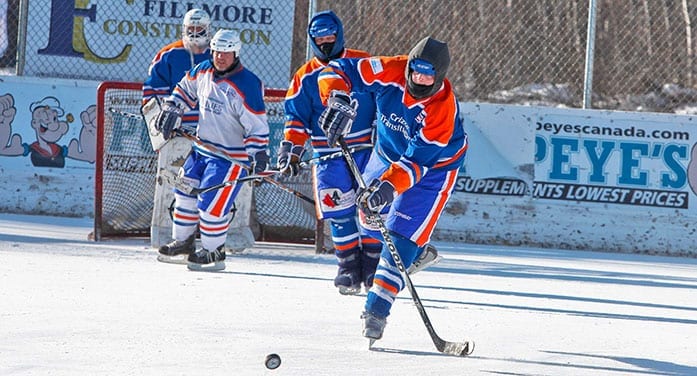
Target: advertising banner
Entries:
(117, 39)
(606, 180)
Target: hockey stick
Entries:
(126, 114)
(265, 176)
(278, 184)
(176, 182)
(451, 348)
(333, 155)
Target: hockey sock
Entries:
(213, 230)
(388, 281)
(184, 217)
(346, 243)
(370, 255)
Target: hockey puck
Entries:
(273, 361)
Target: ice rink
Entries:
(69, 306)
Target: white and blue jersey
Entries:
(232, 120)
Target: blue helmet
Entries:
(323, 24)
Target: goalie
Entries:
(234, 122)
(167, 68)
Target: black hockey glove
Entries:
(337, 118)
(375, 197)
(168, 119)
(289, 157)
(260, 162)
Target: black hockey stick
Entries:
(451, 348)
(278, 184)
(333, 155)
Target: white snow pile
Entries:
(667, 98)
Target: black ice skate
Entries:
(349, 283)
(427, 258)
(205, 260)
(177, 251)
(373, 326)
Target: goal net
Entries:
(126, 170)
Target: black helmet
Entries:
(429, 56)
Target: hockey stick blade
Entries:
(446, 347)
(455, 348)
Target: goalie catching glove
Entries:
(289, 157)
(259, 162)
(337, 118)
(169, 119)
(375, 197)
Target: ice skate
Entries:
(373, 326)
(428, 257)
(348, 283)
(176, 252)
(205, 260)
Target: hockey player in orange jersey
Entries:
(334, 186)
(420, 146)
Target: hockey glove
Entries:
(289, 157)
(260, 162)
(168, 119)
(375, 197)
(337, 118)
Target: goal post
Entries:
(126, 172)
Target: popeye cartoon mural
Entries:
(10, 144)
(49, 124)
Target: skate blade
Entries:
(344, 290)
(421, 267)
(179, 259)
(212, 267)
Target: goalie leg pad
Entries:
(170, 158)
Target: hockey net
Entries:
(126, 171)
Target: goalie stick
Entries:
(265, 176)
(177, 182)
(451, 348)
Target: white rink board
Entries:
(508, 208)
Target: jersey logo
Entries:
(420, 117)
(331, 200)
(375, 65)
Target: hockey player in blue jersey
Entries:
(420, 146)
(335, 188)
(232, 120)
(167, 68)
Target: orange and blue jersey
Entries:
(303, 107)
(167, 68)
(413, 135)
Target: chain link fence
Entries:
(533, 51)
(510, 51)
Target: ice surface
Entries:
(70, 306)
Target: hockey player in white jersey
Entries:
(233, 121)
(167, 68)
